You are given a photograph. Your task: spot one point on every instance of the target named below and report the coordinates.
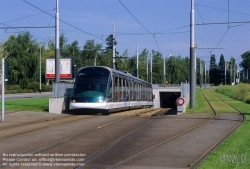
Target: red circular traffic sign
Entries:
(180, 101)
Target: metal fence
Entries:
(62, 89)
(156, 86)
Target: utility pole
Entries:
(147, 68)
(40, 67)
(57, 50)
(3, 80)
(200, 75)
(205, 79)
(114, 47)
(137, 70)
(151, 66)
(225, 73)
(234, 72)
(192, 58)
(230, 73)
(164, 73)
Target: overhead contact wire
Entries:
(63, 21)
(141, 24)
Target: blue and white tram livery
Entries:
(106, 90)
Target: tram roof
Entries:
(118, 72)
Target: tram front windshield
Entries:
(91, 82)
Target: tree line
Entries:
(24, 57)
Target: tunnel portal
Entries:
(168, 99)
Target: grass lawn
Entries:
(201, 105)
(30, 104)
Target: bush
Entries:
(47, 88)
(247, 99)
(31, 88)
(239, 92)
(34, 87)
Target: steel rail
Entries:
(201, 159)
(158, 145)
(217, 144)
(63, 141)
(33, 122)
(69, 139)
(240, 113)
(142, 152)
(116, 141)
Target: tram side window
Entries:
(136, 91)
(142, 92)
(124, 88)
(127, 90)
(131, 89)
(116, 87)
(147, 93)
(120, 88)
(109, 94)
(151, 94)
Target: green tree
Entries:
(143, 56)
(221, 69)
(63, 44)
(89, 52)
(73, 51)
(123, 62)
(213, 70)
(157, 74)
(245, 63)
(109, 42)
(232, 69)
(23, 59)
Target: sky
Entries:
(161, 25)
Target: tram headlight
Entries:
(100, 99)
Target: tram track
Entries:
(208, 152)
(141, 153)
(146, 151)
(135, 156)
(30, 126)
(95, 155)
(33, 122)
(88, 162)
(240, 113)
(75, 136)
(27, 127)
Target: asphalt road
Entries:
(26, 95)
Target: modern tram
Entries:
(106, 90)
